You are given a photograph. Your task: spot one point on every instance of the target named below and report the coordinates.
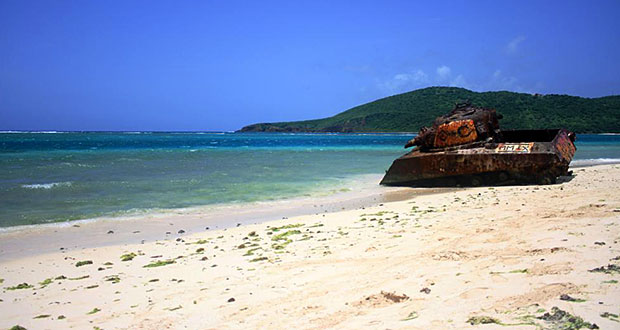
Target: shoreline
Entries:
(152, 225)
(506, 255)
(30, 240)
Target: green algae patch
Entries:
(283, 236)
(475, 320)
(250, 252)
(20, 286)
(259, 259)
(518, 271)
(1, 280)
(93, 311)
(128, 256)
(17, 327)
(42, 316)
(46, 282)
(559, 319)
(610, 316)
(281, 246)
(113, 278)
(78, 278)
(159, 263)
(175, 308)
(294, 225)
(83, 263)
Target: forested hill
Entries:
(408, 112)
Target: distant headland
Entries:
(409, 111)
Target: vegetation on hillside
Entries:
(408, 112)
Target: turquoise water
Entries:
(52, 177)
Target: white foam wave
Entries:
(46, 185)
(594, 161)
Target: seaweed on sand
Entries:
(283, 236)
(128, 256)
(83, 263)
(20, 286)
(159, 263)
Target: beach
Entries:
(525, 256)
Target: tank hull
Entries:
(528, 156)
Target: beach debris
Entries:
(382, 299)
(426, 290)
(110, 231)
(231, 300)
(128, 256)
(20, 287)
(566, 297)
(83, 263)
(411, 316)
(181, 231)
(610, 269)
(599, 243)
(563, 320)
(200, 250)
(93, 311)
(61, 317)
(159, 263)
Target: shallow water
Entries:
(59, 176)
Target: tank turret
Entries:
(463, 125)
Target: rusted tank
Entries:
(466, 148)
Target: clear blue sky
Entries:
(220, 65)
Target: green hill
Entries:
(408, 112)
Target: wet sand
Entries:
(476, 257)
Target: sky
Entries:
(220, 65)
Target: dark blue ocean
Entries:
(56, 176)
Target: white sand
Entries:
(506, 252)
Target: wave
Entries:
(46, 185)
(594, 161)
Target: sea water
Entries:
(61, 176)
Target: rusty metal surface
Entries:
(532, 156)
(464, 124)
(455, 133)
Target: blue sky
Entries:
(220, 65)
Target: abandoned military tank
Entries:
(467, 148)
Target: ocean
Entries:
(50, 177)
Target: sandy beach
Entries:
(526, 256)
